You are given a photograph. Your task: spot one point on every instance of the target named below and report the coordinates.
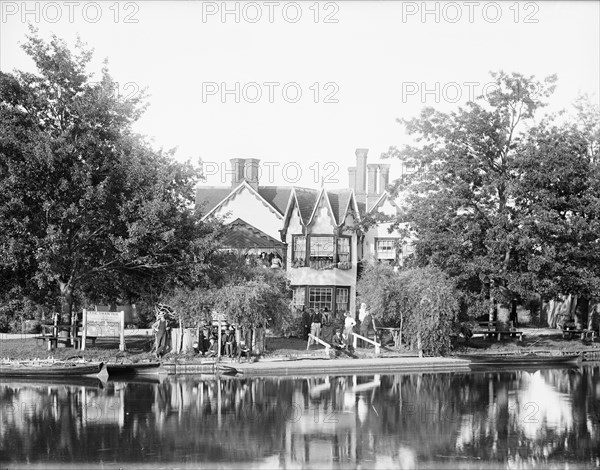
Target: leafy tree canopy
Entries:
(86, 203)
(502, 204)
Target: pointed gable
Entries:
(385, 203)
(306, 200)
(243, 187)
(323, 202)
(341, 202)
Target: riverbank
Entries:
(288, 356)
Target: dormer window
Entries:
(299, 251)
(322, 250)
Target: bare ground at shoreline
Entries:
(139, 347)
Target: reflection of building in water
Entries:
(392, 421)
(330, 426)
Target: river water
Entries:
(548, 418)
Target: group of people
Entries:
(313, 321)
(229, 346)
(266, 260)
(206, 345)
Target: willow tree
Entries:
(422, 302)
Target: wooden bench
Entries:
(50, 334)
(490, 325)
(79, 338)
(569, 332)
(490, 333)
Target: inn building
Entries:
(317, 232)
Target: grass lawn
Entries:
(138, 347)
(106, 349)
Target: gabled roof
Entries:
(338, 202)
(342, 200)
(324, 196)
(240, 234)
(277, 196)
(210, 195)
(306, 200)
(385, 196)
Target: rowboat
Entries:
(134, 368)
(52, 368)
(55, 381)
(521, 360)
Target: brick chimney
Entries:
(352, 177)
(251, 171)
(372, 179)
(237, 171)
(384, 177)
(361, 170)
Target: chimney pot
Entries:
(372, 179)
(251, 171)
(237, 171)
(352, 177)
(361, 170)
(384, 177)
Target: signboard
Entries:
(98, 324)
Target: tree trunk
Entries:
(493, 310)
(66, 301)
(582, 312)
(513, 313)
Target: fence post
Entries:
(83, 329)
(122, 332)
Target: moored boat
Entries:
(520, 360)
(134, 368)
(52, 368)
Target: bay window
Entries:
(298, 251)
(385, 249)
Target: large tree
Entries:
(558, 197)
(86, 203)
(478, 202)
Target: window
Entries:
(299, 251)
(343, 253)
(320, 297)
(342, 299)
(321, 252)
(407, 250)
(385, 248)
(299, 297)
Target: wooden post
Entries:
(219, 339)
(83, 329)
(122, 332)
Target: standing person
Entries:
(160, 328)
(316, 323)
(365, 323)
(315, 326)
(349, 324)
(230, 342)
(306, 321)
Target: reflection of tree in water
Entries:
(401, 418)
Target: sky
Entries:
(301, 85)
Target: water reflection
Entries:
(510, 418)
